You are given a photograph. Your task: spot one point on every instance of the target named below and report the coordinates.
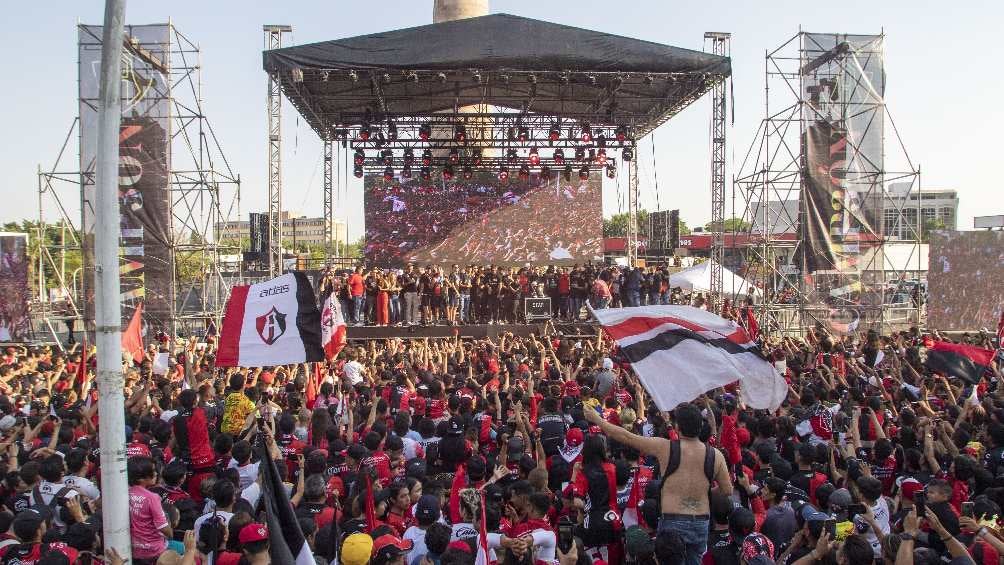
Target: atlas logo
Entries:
(271, 325)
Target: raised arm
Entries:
(648, 445)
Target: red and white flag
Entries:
(332, 327)
(132, 337)
(681, 352)
(271, 323)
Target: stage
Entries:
(473, 331)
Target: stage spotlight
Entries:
(392, 131)
(601, 140)
(503, 174)
(380, 139)
(342, 133)
(567, 173)
(477, 157)
(531, 78)
(476, 77)
(441, 77)
(353, 76)
(386, 78)
(426, 158)
(358, 171)
(564, 77)
(601, 157)
(460, 133)
(587, 133)
(584, 173)
(511, 156)
(388, 174)
(454, 156)
(524, 133)
(559, 157)
(359, 157)
(580, 154)
(621, 133)
(468, 173)
(448, 172)
(591, 79)
(425, 132)
(555, 132)
(545, 172)
(524, 172)
(388, 157)
(513, 132)
(649, 79)
(406, 172)
(409, 156)
(364, 132)
(534, 158)
(627, 154)
(412, 76)
(426, 173)
(611, 170)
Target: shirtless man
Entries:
(685, 504)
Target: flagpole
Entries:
(108, 311)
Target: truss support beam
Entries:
(719, 46)
(273, 40)
(329, 202)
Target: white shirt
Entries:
(84, 486)
(201, 520)
(248, 473)
(881, 511)
(417, 537)
(354, 372)
(251, 494)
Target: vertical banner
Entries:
(840, 228)
(15, 324)
(145, 237)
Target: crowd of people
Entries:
(538, 450)
(493, 294)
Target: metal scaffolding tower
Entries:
(719, 46)
(273, 40)
(329, 203)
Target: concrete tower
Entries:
(448, 10)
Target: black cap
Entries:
(357, 452)
(416, 468)
(456, 426)
(427, 509)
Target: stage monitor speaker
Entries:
(674, 229)
(537, 309)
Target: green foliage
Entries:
(616, 225)
(732, 224)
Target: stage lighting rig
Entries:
(359, 158)
(584, 173)
(567, 173)
(448, 172)
(611, 170)
(534, 158)
(460, 133)
(392, 131)
(409, 156)
(621, 133)
(454, 156)
(477, 157)
(601, 157)
(388, 174)
(627, 154)
(511, 156)
(406, 172)
(545, 172)
(364, 132)
(587, 133)
(441, 77)
(412, 76)
(580, 154)
(601, 140)
(503, 173)
(388, 157)
(554, 134)
(424, 132)
(353, 76)
(559, 157)
(468, 173)
(524, 134)
(476, 77)
(426, 158)
(357, 170)
(426, 173)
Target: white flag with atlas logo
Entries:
(271, 323)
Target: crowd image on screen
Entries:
(964, 279)
(511, 449)
(482, 220)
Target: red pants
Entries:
(383, 309)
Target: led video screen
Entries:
(964, 280)
(483, 220)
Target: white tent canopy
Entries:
(698, 279)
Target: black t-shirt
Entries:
(723, 549)
(425, 285)
(408, 282)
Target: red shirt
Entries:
(356, 286)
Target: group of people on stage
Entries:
(494, 294)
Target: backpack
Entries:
(674, 463)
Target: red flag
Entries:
(81, 376)
(312, 381)
(132, 338)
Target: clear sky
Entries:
(944, 85)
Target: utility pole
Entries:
(108, 309)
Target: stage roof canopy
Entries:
(502, 61)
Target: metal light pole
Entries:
(108, 310)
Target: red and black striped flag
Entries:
(681, 352)
(966, 362)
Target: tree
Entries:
(930, 225)
(732, 224)
(617, 225)
(355, 249)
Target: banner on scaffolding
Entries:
(146, 262)
(15, 323)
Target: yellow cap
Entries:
(356, 550)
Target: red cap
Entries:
(909, 488)
(267, 377)
(523, 368)
(743, 435)
(253, 532)
(574, 437)
(391, 543)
